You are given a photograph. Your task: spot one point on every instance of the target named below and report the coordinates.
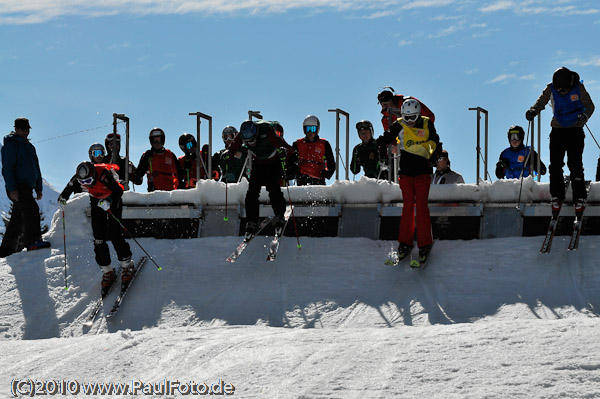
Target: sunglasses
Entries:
(410, 118)
(86, 182)
(97, 153)
(310, 129)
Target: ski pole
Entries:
(65, 247)
(592, 135)
(529, 124)
(133, 238)
(287, 186)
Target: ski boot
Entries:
(251, 228)
(108, 278)
(579, 205)
(127, 272)
(403, 251)
(556, 204)
(424, 254)
(278, 223)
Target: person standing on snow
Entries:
(515, 160)
(159, 165)
(443, 174)
(22, 175)
(572, 106)
(266, 150)
(312, 161)
(419, 146)
(231, 166)
(366, 154)
(101, 182)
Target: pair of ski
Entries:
(394, 260)
(89, 321)
(575, 231)
(273, 245)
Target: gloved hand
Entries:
(530, 114)
(62, 202)
(582, 118)
(225, 155)
(104, 204)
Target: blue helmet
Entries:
(248, 130)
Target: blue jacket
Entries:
(20, 165)
(512, 162)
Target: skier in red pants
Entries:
(419, 148)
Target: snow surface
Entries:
(486, 318)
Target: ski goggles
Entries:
(410, 118)
(97, 153)
(442, 159)
(111, 136)
(189, 145)
(86, 182)
(251, 141)
(228, 137)
(515, 137)
(363, 126)
(310, 129)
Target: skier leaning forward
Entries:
(419, 146)
(101, 182)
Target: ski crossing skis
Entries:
(89, 321)
(547, 244)
(238, 251)
(123, 293)
(274, 245)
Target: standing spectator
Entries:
(231, 166)
(188, 163)
(101, 182)
(159, 165)
(266, 150)
(515, 160)
(112, 143)
(443, 174)
(312, 161)
(419, 145)
(22, 175)
(572, 106)
(366, 154)
(387, 99)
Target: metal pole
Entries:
(115, 155)
(337, 141)
(199, 160)
(255, 114)
(539, 165)
(478, 148)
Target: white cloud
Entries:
(426, 3)
(499, 6)
(501, 78)
(592, 61)
(403, 43)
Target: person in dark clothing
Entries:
(443, 174)
(22, 175)
(188, 163)
(266, 150)
(419, 148)
(230, 166)
(112, 143)
(572, 106)
(367, 153)
(159, 165)
(388, 99)
(312, 161)
(515, 160)
(101, 182)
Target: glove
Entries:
(530, 114)
(104, 204)
(225, 155)
(582, 118)
(62, 202)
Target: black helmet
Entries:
(228, 130)
(385, 95)
(248, 130)
(85, 172)
(113, 137)
(157, 132)
(96, 150)
(563, 79)
(515, 129)
(364, 124)
(187, 143)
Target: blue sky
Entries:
(69, 65)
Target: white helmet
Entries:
(311, 120)
(410, 110)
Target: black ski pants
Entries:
(270, 177)
(24, 226)
(106, 228)
(570, 141)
